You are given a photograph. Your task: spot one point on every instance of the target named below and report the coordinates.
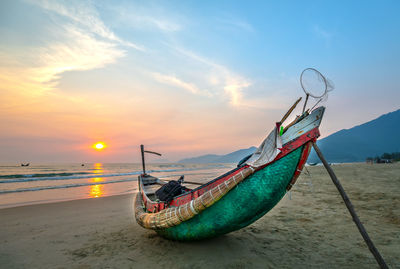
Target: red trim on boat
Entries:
(294, 144)
(304, 139)
(300, 166)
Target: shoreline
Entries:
(35, 203)
(312, 229)
(66, 203)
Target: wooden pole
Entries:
(144, 166)
(186, 182)
(350, 207)
(290, 110)
(152, 152)
(305, 103)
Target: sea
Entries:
(49, 183)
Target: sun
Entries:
(99, 146)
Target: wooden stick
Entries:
(187, 182)
(290, 110)
(192, 182)
(350, 207)
(152, 152)
(290, 124)
(305, 103)
(143, 164)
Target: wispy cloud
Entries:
(79, 51)
(161, 24)
(77, 40)
(221, 78)
(144, 18)
(86, 16)
(324, 34)
(237, 24)
(174, 81)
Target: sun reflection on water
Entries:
(98, 189)
(98, 168)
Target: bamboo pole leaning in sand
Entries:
(350, 207)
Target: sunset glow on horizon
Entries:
(205, 78)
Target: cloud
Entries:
(161, 24)
(164, 25)
(324, 34)
(80, 51)
(77, 51)
(146, 18)
(76, 41)
(86, 16)
(234, 87)
(88, 43)
(238, 24)
(172, 80)
(221, 78)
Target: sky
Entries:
(184, 78)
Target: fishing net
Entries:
(316, 85)
(267, 151)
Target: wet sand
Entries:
(311, 230)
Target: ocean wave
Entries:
(65, 186)
(27, 179)
(43, 175)
(64, 176)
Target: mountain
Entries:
(366, 140)
(370, 139)
(232, 157)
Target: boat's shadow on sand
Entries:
(256, 246)
(139, 247)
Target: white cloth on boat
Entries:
(268, 149)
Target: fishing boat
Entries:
(244, 194)
(240, 196)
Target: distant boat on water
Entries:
(25, 164)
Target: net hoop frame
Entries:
(323, 77)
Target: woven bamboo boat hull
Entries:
(243, 205)
(235, 199)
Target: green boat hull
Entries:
(243, 205)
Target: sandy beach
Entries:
(309, 228)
